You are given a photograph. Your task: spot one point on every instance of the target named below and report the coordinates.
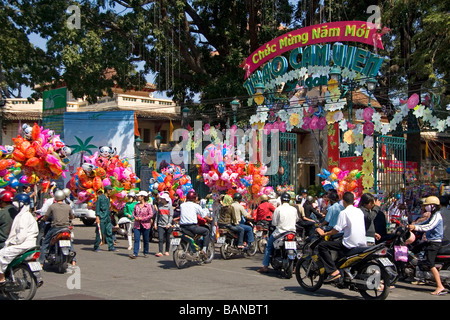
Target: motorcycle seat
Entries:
(62, 230)
(123, 220)
(187, 232)
(359, 250)
(35, 248)
(444, 250)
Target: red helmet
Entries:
(6, 196)
(191, 195)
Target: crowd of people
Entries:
(326, 215)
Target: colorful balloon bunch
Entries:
(38, 155)
(101, 170)
(9, 172)
(220, 172)
(171, 179)
(340, 180)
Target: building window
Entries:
(129, 99)
(164, 136)
(146, 136)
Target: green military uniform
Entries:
(102, 210)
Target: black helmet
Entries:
(285, 197)
(237, 197)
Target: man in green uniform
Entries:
(103, 220)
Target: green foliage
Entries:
(196, 46)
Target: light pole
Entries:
(185, 113)
(335, 74)
(137, 144)
(158, 140)
(235, 104)
(371, 85)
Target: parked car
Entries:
(87, 216)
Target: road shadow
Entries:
(271, 273)
(323, 292)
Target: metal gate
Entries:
(389, 165)
(287, 174)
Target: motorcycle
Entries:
(60, 253)
(366, 270)
(123, 227)
(261, 234)
(23, 276)
(284, 254)
(412, 265)
(187, 247)
(228, 241)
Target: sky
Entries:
(40, 42)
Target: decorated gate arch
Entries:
(309, 83)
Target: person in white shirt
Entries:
(351, 223)
(189, 219)
(23, 234)
(284, 219)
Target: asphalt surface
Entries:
(108, 275)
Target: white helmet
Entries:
(66, 192)
(59, 195)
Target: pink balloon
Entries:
(106, 182)
(23, 180)
(413, 101)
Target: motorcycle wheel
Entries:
(225, 250)
(210, 252)
(62, 268)
(446, 282)
(179, 256)
(22, 275)
(262, 245)
(287, 273)
(377, 282)
(308, 274)
(251, 250)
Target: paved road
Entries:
(113, 276)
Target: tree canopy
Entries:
(196, 46)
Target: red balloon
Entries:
(32, 162)
(30, 152)
(255, 188)
(18, 155)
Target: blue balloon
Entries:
(221, 167)
(326, 173)
(160, 178)
(14, 183)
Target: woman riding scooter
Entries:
(434, 228)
